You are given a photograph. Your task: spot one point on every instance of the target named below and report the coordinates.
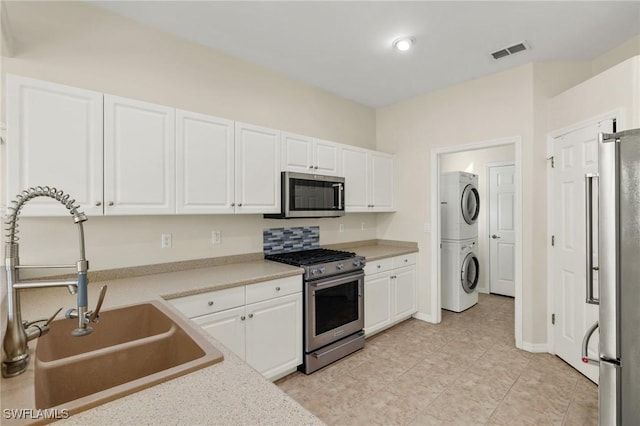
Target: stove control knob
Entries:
(322, 269)
(340, 266)
(357, 263)
(314, 271)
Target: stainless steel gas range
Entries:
(333, 303)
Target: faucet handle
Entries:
(94, 316)
(52, 317)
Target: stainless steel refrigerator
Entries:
(614, 196)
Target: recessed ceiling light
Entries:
(404, 43)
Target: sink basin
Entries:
(132, 348)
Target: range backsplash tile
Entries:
(284, 240)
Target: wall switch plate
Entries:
(341, 227)
(216, 237)
(165, 241)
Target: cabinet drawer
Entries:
(273, 288)
(380, 265)
(404, 260)
(207, 303)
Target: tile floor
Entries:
(463, 371)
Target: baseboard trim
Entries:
(424, 317)
(535, 347)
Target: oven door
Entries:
(334, 309)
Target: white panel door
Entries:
(204, 164)
(227, 327)
(54, 138)
(274, 335)
(575, 154)
(502, 230)
(257, 169)
(404, 288)
(139, 152)
(377, 302)
(325, 158)
(382, 182)
(297, 153)
(355, 168)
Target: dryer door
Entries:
(470, 273)
(470, 204)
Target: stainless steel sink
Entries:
(132, 348)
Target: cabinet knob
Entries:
(316, 167)
(98, 203)
(111, 203)
(210, 303)
(310, 167)
(240, 205)
(379, 266)
(250, 315)
(233, 204)
(277, 288)
(242, 318)
(406, 260)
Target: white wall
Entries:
(77, 44)
(476, 162)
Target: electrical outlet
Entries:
(341, 227)
(363, 226)
(216, 237)
(165, 241)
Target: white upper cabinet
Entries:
(54, 138)
(257, 161)
(382, 182)
(205, 171)
(307, 155)
(355, 168)
(139, 157)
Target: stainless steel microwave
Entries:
(310, 195)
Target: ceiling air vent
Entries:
(511, 50)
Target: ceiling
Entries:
(345, 47)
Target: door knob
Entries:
(495, 237)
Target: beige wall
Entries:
(77, 44)
(621, 53)
(476, 161)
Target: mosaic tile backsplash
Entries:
(284, 240)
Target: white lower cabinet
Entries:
(389, 292)
(261, 323)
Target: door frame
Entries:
(616, 114)
(487, 261)
(436, 273)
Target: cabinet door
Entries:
(274, 335)
(377, 302)
(382, 182)
(227, 327)
(54, 138)
(356, 172)
(139, 151)
(325, 158)
(404, 288)
(297, 153)
(204, 163)
(257, 169)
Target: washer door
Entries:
(470, 273)
(470, 204)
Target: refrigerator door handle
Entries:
(588, 186)
(585, 346)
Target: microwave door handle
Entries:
(340, 189)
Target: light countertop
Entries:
(227, 393)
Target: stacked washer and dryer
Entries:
(460, 205)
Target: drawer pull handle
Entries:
(277, 288)
(210, 303)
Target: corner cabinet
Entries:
(139, 157)
(54, 138)
(390, 288)
(261, 323)
(369, 180)
(257, 163)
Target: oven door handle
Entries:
(336, 280)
